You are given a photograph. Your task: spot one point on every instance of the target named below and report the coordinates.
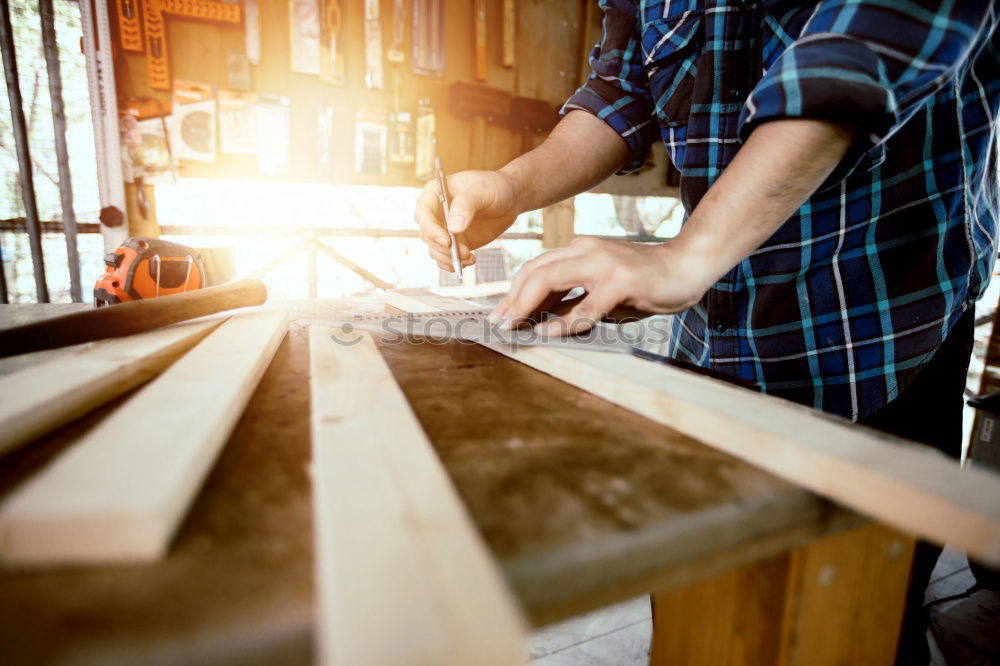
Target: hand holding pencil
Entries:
(456, 262)
(478, 206)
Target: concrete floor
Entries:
(616, 635)
(964, 632)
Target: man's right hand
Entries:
(580, 152)
(483, 206)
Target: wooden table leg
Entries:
(838, 600)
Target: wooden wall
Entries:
(552, 39)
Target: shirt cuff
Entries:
(833, 78)
(625, 114)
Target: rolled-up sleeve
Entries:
(869, 64)
(617, 90)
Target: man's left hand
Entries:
(653, 279)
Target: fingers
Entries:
(442, 256)
(583, 316)
(464, 253)
(429, 217)
(521, 279)
(541, 281)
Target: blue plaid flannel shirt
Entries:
(842, 306)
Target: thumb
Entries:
(465, 206)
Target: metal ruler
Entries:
(473, 326)
(104, 112)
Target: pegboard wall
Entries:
(168, 45)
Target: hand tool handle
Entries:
(128, 318)
(481, 64)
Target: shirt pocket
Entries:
(670, 50)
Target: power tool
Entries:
(146, 268)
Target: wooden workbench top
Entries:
(582, 502)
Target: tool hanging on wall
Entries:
(274, 112)
(400, 137)
(425, 140)
(238, 127)
(400, 126)
(509, 32)
(428, 37)
(237, 71)
(395, 54)
(193, 122)
(370, 140)
(324, 139)
(481, 63)
(146, 268)
(129, 25)
(150, 36)
(251, 11)
(304, 25)
(373, 46)
(149, 157)
(331, 46)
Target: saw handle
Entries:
(128, 318)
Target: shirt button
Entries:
(718, 327)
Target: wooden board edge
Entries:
(922, 492)
(78, 381)
(41, 523)
(448, 602)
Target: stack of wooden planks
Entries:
(402, 573)
(118, 493)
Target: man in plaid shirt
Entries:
(839, 172)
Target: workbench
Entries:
(582, 503)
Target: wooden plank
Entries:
(903, 484)
(838, 600)
(130, 317)
(70, 383)
(403, 574)
(118, 494)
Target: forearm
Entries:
(780, 166)
(581, 152)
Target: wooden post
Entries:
(838, 600)
(557, 224)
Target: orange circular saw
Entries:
(146, 268)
